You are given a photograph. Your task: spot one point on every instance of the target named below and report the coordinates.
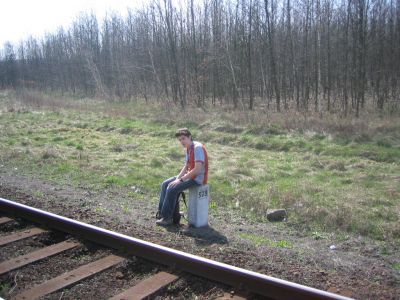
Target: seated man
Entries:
(194, 172)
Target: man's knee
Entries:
(167, 181)
(163, 184)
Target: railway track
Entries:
(159, 267)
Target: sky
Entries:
(20, 19)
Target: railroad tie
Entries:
(4, 220)
(23, 260)
(20, 235)
(70, 278)
(147, 287)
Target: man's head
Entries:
(184, 136)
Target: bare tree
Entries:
(339, 56)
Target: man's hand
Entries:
(174, 183)
(194, 172)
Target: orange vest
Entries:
(191, 162)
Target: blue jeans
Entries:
(169, 195)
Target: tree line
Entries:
(332, 56)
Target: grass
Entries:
(319, 235)
(257, 241)
(327, 182)
(4, 289)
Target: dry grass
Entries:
(224, 118)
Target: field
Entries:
(345, 182)
(337, 178)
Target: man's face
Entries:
(184, 140)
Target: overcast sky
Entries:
(21, 18)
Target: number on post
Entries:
(203, 193)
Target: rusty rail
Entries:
(255, 282)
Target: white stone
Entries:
(198, 205)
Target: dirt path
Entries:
(357, 268)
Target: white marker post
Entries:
(198, 206)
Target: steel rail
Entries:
(237, 277)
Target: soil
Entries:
(357, 267)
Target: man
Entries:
(193, 173)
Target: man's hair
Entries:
(183, 131)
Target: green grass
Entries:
(257, 241)
(396, 267)
(4, 289)
(326, 183)
(319, 235)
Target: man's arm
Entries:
(196, 170)
(178, 178)
(183, 171)
(199, 158)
